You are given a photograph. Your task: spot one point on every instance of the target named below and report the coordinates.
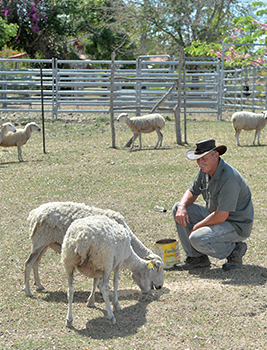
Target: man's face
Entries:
(209, 163)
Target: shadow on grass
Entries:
(129, 318)
(3, 165)
(247, 275)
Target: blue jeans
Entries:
(217, 241)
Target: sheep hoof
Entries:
(90, 303)
(69, 323)
(117, 307)
(29, 293)
(39, 286)
(113, 320)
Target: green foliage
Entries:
(7, 31)
(43, 27)
(247, 30)
(101, 44)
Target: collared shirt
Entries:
(227, 191)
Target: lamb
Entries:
(98, 245)
(19, 138)
(5, 128)
(145, 124)
(249, 121)
(48, 225)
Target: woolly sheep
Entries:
(145, 124)
(19, 138)
(5, 128)
(98, 245)
(249, 121)
(48, 225)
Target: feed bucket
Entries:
(168, 250)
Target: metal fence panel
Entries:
(84, 86)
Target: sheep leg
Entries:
(20, 154)
(259, 137)
(70, 294)
(128, 143)
(134, 138)
(159, 143)
(237, 133)
(105, 294)
(28, 266)
(161, 138)
(257, 132)
(116, 305)
(91, 298)
(140, 141)
(37, 280)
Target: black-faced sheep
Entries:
(249, 121)
(5, 128)
(48, 225)
(19, 138)
(98, 245)
(144, 124)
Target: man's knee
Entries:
(198, 237)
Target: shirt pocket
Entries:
(211, 202)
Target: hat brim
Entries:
(192, 156)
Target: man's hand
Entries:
(182, 216)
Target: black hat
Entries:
(204, 147)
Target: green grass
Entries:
(210, 309)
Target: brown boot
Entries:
(234, 260)
(192, 263)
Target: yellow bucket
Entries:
(168, 250)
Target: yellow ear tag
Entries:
(150, 265)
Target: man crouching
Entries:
(220, 229)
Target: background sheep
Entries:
(98, 245)
(19, 138)
(249, 121)
(5, 128)
(145, 124)
(48, 225)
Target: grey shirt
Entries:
(227, 191)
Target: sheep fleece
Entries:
(95, 243)
(248, 120)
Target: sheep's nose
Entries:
(158, 287)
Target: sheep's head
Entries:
(9, 127)
(150, 277)
(34, 126)
(122, 117)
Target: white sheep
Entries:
(5, 128)
(48, 225)
(19, 138)
(145, 124)
(98, 245)
(249, 121)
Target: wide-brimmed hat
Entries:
(204, 147)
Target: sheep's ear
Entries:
(2, 127)
(150, 265)
(154, 264)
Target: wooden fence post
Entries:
(42, 102)
(177, 108)
(112, 74)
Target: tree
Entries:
(7, 31)
(100, 32)
(242, 49)
(44, 28)
(171, 24)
